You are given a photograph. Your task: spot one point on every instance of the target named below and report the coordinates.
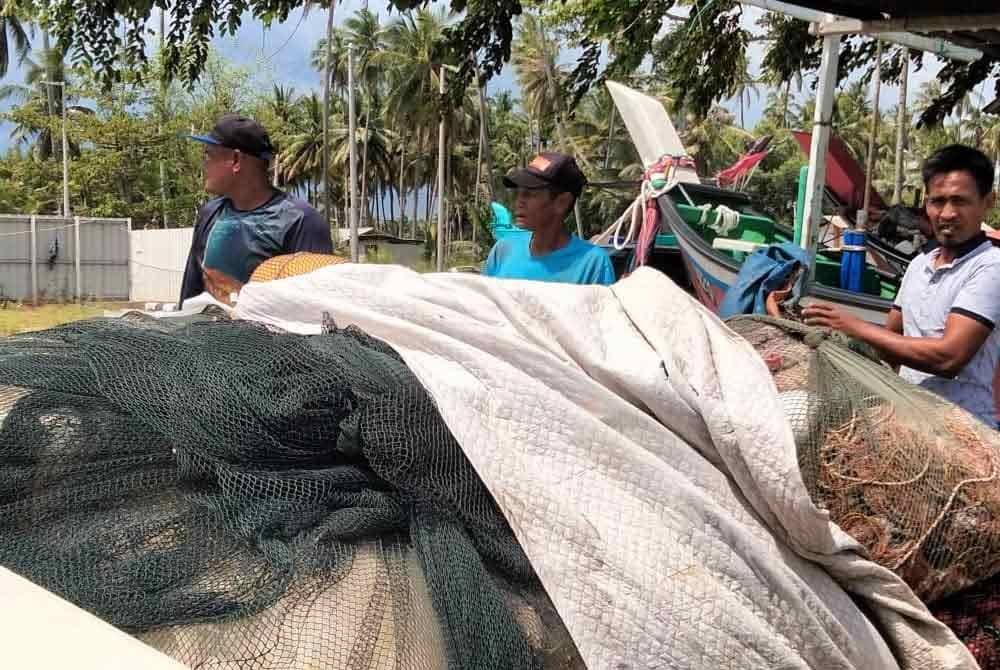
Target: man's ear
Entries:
(566, 200)
(991, 199)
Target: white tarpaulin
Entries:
(638, 449)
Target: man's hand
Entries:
(220, 285)
(943, 356)
(825, 315)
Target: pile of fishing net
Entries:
(912, 477)
(291, 265)
(243, 498)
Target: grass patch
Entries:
(24, 318)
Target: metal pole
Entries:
(163, 111)
(34, 262)
(352, 130)
(128, 231)
(441, 166)
(76, 258)
(65, 156)
(862, 222)
(816, 182)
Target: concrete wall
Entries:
(39, 259)
(157, 263)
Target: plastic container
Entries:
(852, 261)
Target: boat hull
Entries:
(712, 272)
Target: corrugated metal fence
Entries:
(157, 263)
(51, 258)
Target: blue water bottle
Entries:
(852, 261)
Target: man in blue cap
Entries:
(547, 189)
(250, 220)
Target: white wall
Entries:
(157, 263)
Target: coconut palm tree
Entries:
(13, 33)
(413, 102)
(714, 141)
(35, 95)
(539, 77)
(747, 86)
(300, 163)
(603, 144)
(367, 36)
(281, 105)
(338, 59)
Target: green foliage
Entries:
(127, 118)
(708, 63)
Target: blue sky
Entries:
(281, 53)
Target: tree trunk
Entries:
(380, 205)
(897, 190)
(50, 96)
(558, 118)
(484, 138)
(326, 114)
(416, 201)
(959, 111)
(430, 202)
(163, 114)
(449, 186)
(402, 187)
(996, 162)
(873, 137)
(364, 165)
(784, 106)
(392, 211)
(611, 136)
(479, 170)
(347, 201)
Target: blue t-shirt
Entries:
(579, 262)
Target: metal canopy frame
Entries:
(831, 27)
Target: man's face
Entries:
(219, 167)
(954, 207)
(539, 208)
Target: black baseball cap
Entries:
(548, 170)
(241, 133)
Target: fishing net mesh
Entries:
(291, 265)
(242, 498)
(912, 477)
(974, 616)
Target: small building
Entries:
(381, 247)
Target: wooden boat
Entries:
(713, 261)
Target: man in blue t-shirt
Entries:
(546, 192)
(251, 221)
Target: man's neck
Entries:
(948, 255)
(250, 196)
(546, 241)
(945, 256)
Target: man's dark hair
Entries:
(958, 157)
